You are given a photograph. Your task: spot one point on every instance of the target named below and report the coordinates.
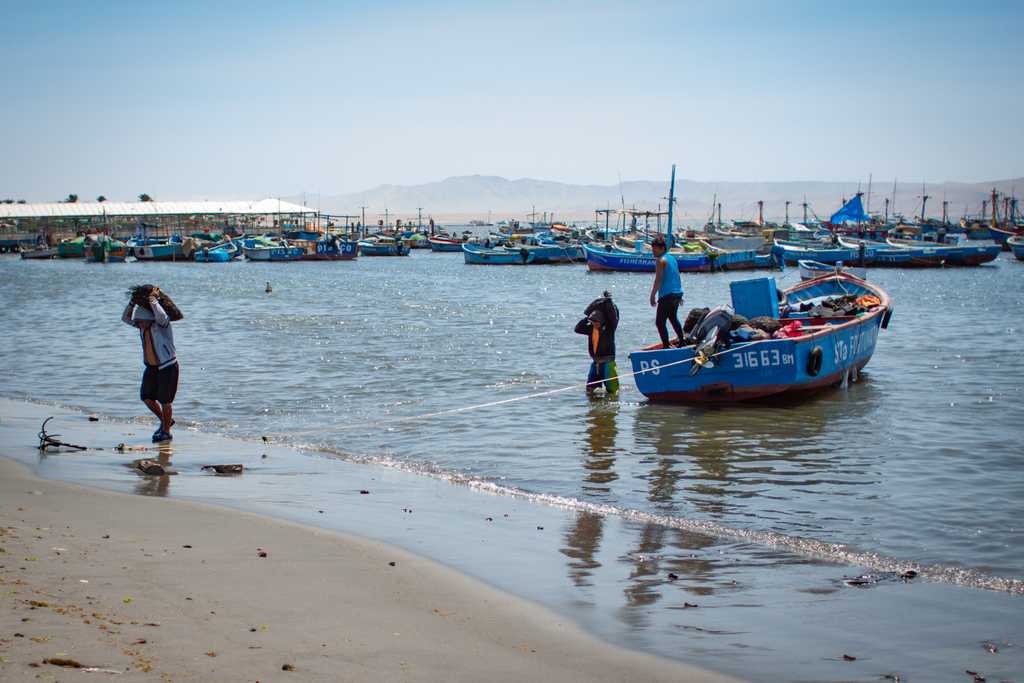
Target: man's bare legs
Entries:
(165, 412)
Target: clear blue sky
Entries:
(196, 99)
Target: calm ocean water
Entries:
(917, 464)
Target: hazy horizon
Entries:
(238, 99)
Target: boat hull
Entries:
(451, 246)
(1017, 247)
(385, 249)
(809, 270)
(333, 251)
(632, 262)
(274, 254)
(826, 356)
(481, 256)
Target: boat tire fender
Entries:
(524, 254)
(814, 359)
(885, 318)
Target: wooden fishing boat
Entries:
(382, 245)
(218, 253)
(1016, 246)
(448, 244)
(106, 250)
(331, 249)
(475, 254)
(949, 254)
(40, 252)
(810, 270)
(73, 248)
(1001, 233)
(794, 252)
(599, 258)
(822, 351)
(170, 250)
(884, 254)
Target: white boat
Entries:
(810, 270)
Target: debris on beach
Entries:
(93, 418)
(121, 448)
(48, 441)
(392, 564)
(224, 469)
(65, 662)
(260, 552)
(287, 667)
(151, 467)
(364, 492)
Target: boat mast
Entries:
(945, 212)
(787, 212)
(760, 212)
(868, 210)
(804, 204)
(886, 221)
(671, 201)
(893, 204)
(719, 214)
(995, 208)
(924, 201)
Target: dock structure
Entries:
(61, 219)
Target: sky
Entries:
(192, 100)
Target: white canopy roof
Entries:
(262, 207)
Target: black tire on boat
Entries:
(885, 318)
(814, 359)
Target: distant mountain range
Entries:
(477, 195)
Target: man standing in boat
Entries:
(667, 291)
(160, 377)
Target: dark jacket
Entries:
(603, 316)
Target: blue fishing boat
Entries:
(448, 244)
(933, 253)
(811, 270)
(331, 249)
(170, 250)
(794, 252)
(1016, 246)
(272, 251)
(808, 353)
(382, 245)
(218, 253)
(476, 254)
(600, 258)
(882, 253)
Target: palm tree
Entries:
(101, 199)
(145, 197)
(8, 201)
(72, 198)
(22, 201)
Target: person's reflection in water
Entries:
(583, 537)
(644, 582)
(599, 450)
(157, 485)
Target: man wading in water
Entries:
(160, 378)
(668, 288)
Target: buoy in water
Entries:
(269, 288)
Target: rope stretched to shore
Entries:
(516, 399)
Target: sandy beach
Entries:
(162, 589)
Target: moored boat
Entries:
(599, 258)
(1016, 244)
(106, 250)
(793, 252)
(331, 249)
(475, 254)
(811, 351)
(448, 244)
(171, 250)
(949, 254)
(383, 245)
(218, 253)
(810, 270)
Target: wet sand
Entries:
(154, 588)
